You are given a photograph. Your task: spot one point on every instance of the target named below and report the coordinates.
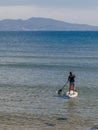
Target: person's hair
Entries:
(70, 73)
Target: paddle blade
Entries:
(59, 92)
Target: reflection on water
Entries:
(74, 119)
(71, 108)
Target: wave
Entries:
(49, 66)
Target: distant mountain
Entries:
(43, 24)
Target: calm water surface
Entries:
(33, 65)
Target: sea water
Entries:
(34, 65)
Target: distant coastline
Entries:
(43, 24)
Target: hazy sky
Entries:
(74, 11)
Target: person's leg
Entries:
(71, 87)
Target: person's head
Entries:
(70, 73)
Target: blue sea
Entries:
(34, 65)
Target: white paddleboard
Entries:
(72, 94)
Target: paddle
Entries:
(59, 92)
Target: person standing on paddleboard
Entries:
(71, 80)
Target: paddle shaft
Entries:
(60, 90)
(64, 86)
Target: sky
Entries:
(72, 11)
